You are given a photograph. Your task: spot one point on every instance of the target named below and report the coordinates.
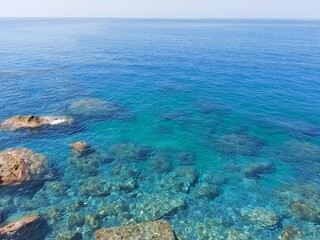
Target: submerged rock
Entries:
(291, 233)
(187, 158)
(157, 230)
(129, 152)
(303, 156)
(95, 187)
(260, 217)
(97, 109)
(180, 180)
(160, 164)
(214, 177)
(23, 229)
(18, 165)
(108, 208)
(207, 191)
(155, 206)
(254, 170)
(237, 235)
(125, 171)
(87, 159)
(32, 121)
(238, 144)
(305, 211)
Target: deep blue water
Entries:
(236, 95)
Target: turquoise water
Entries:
(236, 101)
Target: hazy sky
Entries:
(162, 8)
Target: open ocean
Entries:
(216, 127)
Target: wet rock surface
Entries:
(158, 230)
(18, 165)
(30, 227)
(32, 121)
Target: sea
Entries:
(211, 125)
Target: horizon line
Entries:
(163, 18)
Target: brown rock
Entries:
(81, 148)
(32, 121)
(18, 165)
(157, 230)
(22, 229)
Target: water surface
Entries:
(242, 98)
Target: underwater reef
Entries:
(128, 190)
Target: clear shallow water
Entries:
(237, 94)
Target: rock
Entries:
(160, 164)
(107, 208)
(23, 229)
(75, 219)
(32, 121)
(3, 214)
(95, 187)
(18, 165)
(209, 107)
(255, 169)
(291, 233)
(56, 187)
(212, 177)
(88, 160)
(304, 157)
(180, 180)
(96, 108)
(286, 194)
(207, 191)
(238, 144)
(93, 221)
(155, 206)
(301, 151)
(260, 217)
(157, 230)
(127, 152)
(69, 235)
(52, 215)
(305, 211)
(124, 171)
(81, 148)
(187, 158)
(236, 235)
